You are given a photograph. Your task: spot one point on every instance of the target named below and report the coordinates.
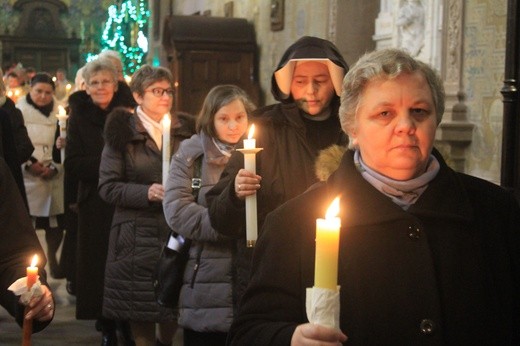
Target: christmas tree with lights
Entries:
(126, 31)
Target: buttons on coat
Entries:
(427, 327)
(414, 232)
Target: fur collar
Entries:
(328, 161)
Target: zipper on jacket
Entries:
(197, 264)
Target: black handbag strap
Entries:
(196, 181)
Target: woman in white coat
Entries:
(43, 178)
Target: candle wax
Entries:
(327, 247)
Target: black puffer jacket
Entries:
(131, 162)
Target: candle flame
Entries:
(251, 131)
(68, 86)
(9, 93)
(34, 261)
(333, 209)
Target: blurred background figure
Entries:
(88, 112)
(14, 131)
(63, 86)
(115, 58)
(14, 86)
(206, 299)
(43, 177)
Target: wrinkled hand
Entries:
(41, 308)
(156, 193)
(313, 334)
(61, 142)
(246, 183)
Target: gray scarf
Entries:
(403, 193)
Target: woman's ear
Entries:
(138, 98)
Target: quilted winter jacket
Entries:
(130, 163)
(205, 303)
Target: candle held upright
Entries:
(62, 122)
(32, 277)
(327, 248)
(166, 125)
(249, 152)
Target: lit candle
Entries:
(166, 124)
(67, 88)
(62, 121)
(249, 152)
(327, 248)
(31, 276)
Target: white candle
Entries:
(166, 124)
(327, 248)
(251, 206)
(62, 121)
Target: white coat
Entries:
(45, 197)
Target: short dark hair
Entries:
(147, 75)
(43, 77)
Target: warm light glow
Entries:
(68, 86)
(251, 131)
(9, 94)
(128, 79)
(17, 92)
(166, 121)
(61, 111)
(333, 209)
(54, 79)
(34, 261)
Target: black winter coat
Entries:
(82, 158)
(445, 272)
(131, 162)
(286, 165)
(19, 243)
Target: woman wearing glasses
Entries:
(130, 178)
(88, 111)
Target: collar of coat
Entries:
(446, 196)
(123, 126)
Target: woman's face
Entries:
(395, 125)
(41, 94)
(156, 100)
(231, 122)
(311, 87)
(101, 87)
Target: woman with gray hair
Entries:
(130, 178)
(88, 111)
(427, 255)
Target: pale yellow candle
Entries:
(166, 125)
(327, 248)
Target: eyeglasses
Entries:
(159, 92)
(98, 84)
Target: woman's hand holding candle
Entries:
(41, 308)
(246, 183)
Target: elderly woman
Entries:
(43, 177)
(130, 179)
(427, 255)
(88, 112)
